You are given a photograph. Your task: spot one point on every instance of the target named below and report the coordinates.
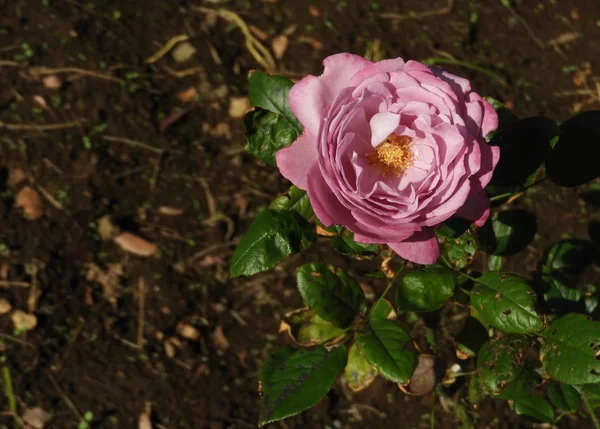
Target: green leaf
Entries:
(382, 310)
(271, 93)
(570, 350)
(507, 233)
(564, 397)
(272, 236)
(459, 251)
(332, 293)
(359, 373)
(297, 381)
(385, 346)
(558, 289)
(524, 146)
(266, 133)
(506, 302)
(574, 159)
(297, 200)
(470, 340)
(453, 228)
(345, 244)
(570, 256)
(425, 290)
(536, 407)
(500, 362)
(306, 328)
(522, 387)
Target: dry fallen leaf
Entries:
(36, 418)
(183, 52)
(16, 175)
(564, 38)
(188, 332)
(170, 350)
(279, 46)
(134, 244)
(258, 33)
(314, 11)
(40, 101)
(109, 279)
(30, 201)
(51, 82)
(187, 95)
(5, 306)
(23, 321)
(144, 422)
(222, 129)
(238, 106)
(106, 229)
(221, 342)
(170, 211)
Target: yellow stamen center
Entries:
(393, 155)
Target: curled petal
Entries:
(421, 248)
(295, 160)
(476, 208)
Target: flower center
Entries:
(393, 154)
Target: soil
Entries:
(106, 137)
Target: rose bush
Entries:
(390, 150)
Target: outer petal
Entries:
(295, 160)
(324, 202)
(422, 248)
(490, 155)
(311, 96)
(385, 66)
(476, 208)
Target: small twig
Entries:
(55, 203)
(134, 143)
(41, 127)
(9, 283)
(180, 266)
(166, 48)
(524, 24)
(91, 73)
(9, 393)
(418, 15)
(210, 199)
(64, 397)
(16, 340)
(184, 73)
(6, 63)
(141, 312)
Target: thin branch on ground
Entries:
(39, 71)
(180, 266)
(526, 25)
(10, 283)
(141, 312)
(7, 63)
(133, 143)
(166, 48)
(419, 15)
(64, 397)
(48, 196)
(9, 393)
(42, 127)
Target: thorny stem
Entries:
(389, 285)
(590, 410)
(510, 194)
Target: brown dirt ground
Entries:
(189, 189)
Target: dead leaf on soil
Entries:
(279, 46)
(30, 201)
(423, 378)
(134, 244)
(188, 332)
(144, 422)
(106, 229)
(109, 279)
(314, 11)
(183, 52)
(258, 33)
(40, 101)
(5, 306)
(36, 418)
(23, 321)
(221, 342)
(220, 130)
(16, 175)
(187, 95)
(170, 211)
(238, 106)
(564, 38)
(51, 82)
(170, 350)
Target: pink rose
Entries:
(390, 150)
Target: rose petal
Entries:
(294, 161)
(385, 66)
(311, 96)
(421, 248)
(382, 125)
(476, 208)
(325, 204)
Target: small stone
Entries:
(238, 106)
(188, 332)
(36, 418)
(23, 321)
(30, 201)
(221, 342)
(51, 82)
(5, 306)
(183, 52)
(133, 244)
